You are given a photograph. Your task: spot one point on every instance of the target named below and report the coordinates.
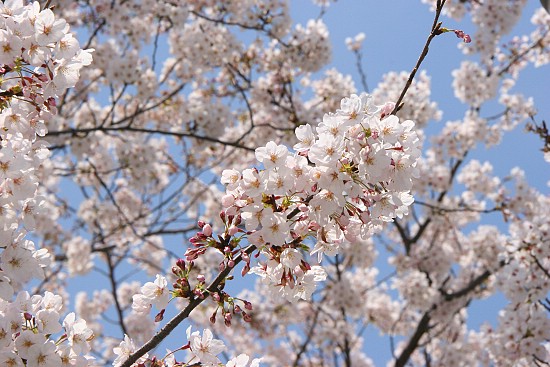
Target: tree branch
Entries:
(193, 303)
(435, 31)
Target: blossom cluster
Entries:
(27, 327)
(344, 180)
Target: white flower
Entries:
(69, 358)
(48, 321)
(11, 359)
(272, 155)
(327, 149)
(16, 263)
(26, 340)
(306, 285)
(291, 258)
(43, 355)
(78, 333)
(48, 30)
(124, 350)
(275, 228)
(67, 73)
(156, 293)
(305, 135)
(205, 348)
(141, 304)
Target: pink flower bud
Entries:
(180, 263)
(201, 223)
(232, 230)
(201, 278)
(160, 316)
(231, 263)
(207, 230)
(248, 305)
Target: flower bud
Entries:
(232, 230)
(207, 230)
(180, 263)
(160, 316)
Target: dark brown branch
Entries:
(360, 70)
(421, 329)
(469, 287)
(150, 131)
(309, 337)
(114, 288)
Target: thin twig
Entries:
(435, 31)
